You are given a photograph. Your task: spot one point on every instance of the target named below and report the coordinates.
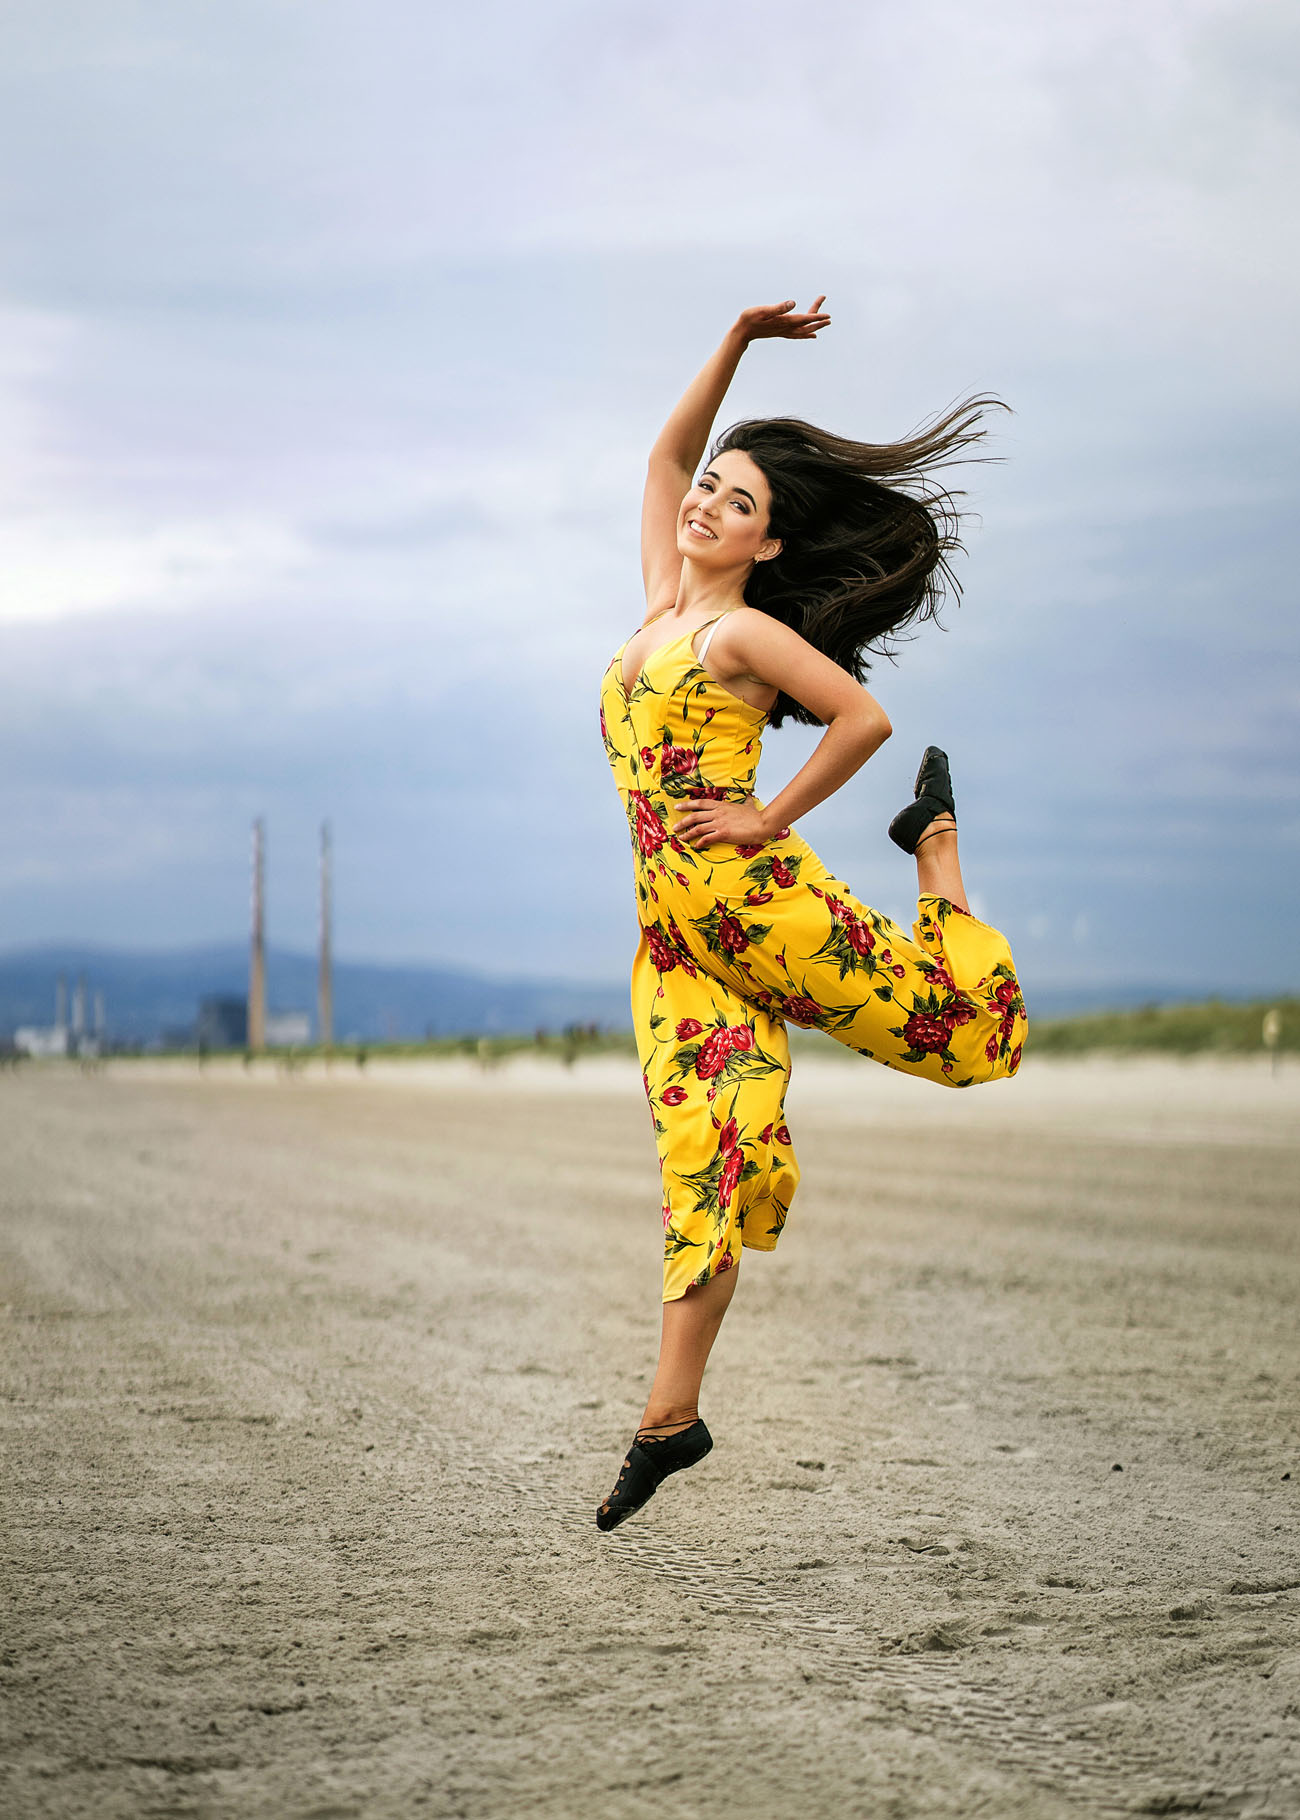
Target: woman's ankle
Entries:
(667, 1416)
(943, 824)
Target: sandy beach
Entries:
(313, 1380)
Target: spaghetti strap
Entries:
(703, 651)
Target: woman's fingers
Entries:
(692, 827)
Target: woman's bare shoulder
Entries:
(750, 627)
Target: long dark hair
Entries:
(866, 534)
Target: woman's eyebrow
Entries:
(712, 474)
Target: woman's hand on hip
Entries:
(701, 822)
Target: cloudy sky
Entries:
(332, 337)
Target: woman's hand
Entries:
(702, 822)
(768, 319)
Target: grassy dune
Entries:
(1210, 1028)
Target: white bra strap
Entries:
(703, 651)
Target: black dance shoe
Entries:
(649, 1461)
(933, 798)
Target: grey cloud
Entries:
(411, 298)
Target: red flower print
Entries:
(861, 940)
(991, 1049)
(668, 1214)
(749, 852)
(728, 1136)
(925, 1032)
(661, 951)
(765, 1135)
(677, 760)
(801, 1010)
(1006, 992)
(731, 1169)
(645, 1082)
(731, 936)
(755, 898)
(783, 1134)
(673, 1096)
(959, 1010)
(885, 956)
(714, 1051)
(724, 1262)
(1007, 1025)
(781, 873)
(682, 951)
(689, 1026)
(939, 976)
(1016, 1053)
(899, 973)
(708, 793)
(603, 733)
(648, 757)
(837, 909)
(742, 1037)
(650, 831)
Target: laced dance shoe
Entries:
(649, 1461)
(933, 794)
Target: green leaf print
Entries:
(727, 934)
(704, 1185)
(839, 948)
(760, 871)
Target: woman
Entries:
(767, 579)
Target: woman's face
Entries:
(723, 520)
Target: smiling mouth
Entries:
(701, 530)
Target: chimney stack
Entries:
(325, 992)
(257, 947)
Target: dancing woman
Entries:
(768, 578)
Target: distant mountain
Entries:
(149, 994)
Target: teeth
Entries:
(693, 524)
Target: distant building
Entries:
(33, 1039)
(48, 1039)
(288, 1029)
(222, 1022)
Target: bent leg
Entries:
(942, 1002)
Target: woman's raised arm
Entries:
(685, 436)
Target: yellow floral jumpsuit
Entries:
(735, 941)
